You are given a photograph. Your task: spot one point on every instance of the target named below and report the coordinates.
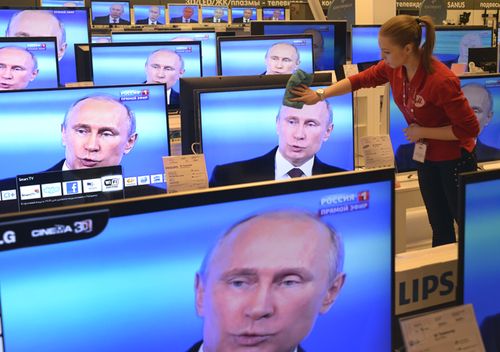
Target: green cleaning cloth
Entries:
(299, 77)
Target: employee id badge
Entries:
(419, 152)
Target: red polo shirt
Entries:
(429, 100)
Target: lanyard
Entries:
(409, 100)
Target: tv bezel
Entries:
(340, 35)
(190, 126)
(251, 38)
(37, 39)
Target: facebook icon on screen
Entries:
(72, 187)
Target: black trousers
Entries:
(438, 181)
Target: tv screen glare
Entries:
(478, 256)
(238, 12)
(213, 14)
(110, 12)
(273, 13)
(453, 43)
(281, 54)
(235, 128)
(483, 94)
(176, 13)
(153, 62)
(365, 43)
(34, 135)
(35, 57)
(130, 285)
(143, 13)
(62, 3)
(69, 25)
(329, 39)
(207, 39)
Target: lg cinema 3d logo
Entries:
(344, 202)
(84, 226)
(8, 237)
(134, 94)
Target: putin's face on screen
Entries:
(218, 13)
(480, 101)
(17, 68)
(97, 132)
(164, 66)
(247, 13)
(154, 13)
(266, 282)
(301, 132)
(187, 12)
(116, 11)
(38, 23)
(282, 58)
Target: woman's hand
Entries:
(305, 94)
(413, 133)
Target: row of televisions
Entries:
(119, 275)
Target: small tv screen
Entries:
(68, 25)
(110, 12)
(236, 129)
(478, 255)
(206, 37)
(153, 62)
(28, 63)
(483, 94)
(329, 39)
(273, 13)
(265, 55)
(182, 13)
(365, 43)
(62, 3)
(214, 14)
(243, 14)
(149, 14)
(129, 283)
(84, 128)
(453, 43)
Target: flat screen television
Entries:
(329, 39)
(35, 141)
(182, 13)
(484, 58)
(128, 284)
(147, 62)
(190, 129)
(265, 55)
(62, 3)
(273, 13)
(478, 256)
(146, 14)
(28, 63)
(483, 93)
(364, 43)
(214, 14)
(453, 42)
(240, 15)
(206, 37)
(110, 12)
(69, 25)
(235, 128)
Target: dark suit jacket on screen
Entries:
(239, 20)
(490, 331)
(146, 21)
(179, 20)
(258, 169)
(485, 152)
(211, 20)
(175, 98)
(105, 20)
(197, 346)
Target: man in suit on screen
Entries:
(265, 282)
(18, 67)
(246, 18)
(114, 17)
(187, 14)
(217, 17)
(154, 14)
(301, 132)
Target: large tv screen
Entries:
(206, 37)
(265, 55)
(483, 94)
(453, 43)
(49, 134)
(329, 39)
(28, 63)
(478, 258)
(69, 25)
(153, 62)
(243, 130)
(128, 285)
(364, 43)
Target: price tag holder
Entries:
(377, 151)
(448, 330)
(350, 70)
(185, 172)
